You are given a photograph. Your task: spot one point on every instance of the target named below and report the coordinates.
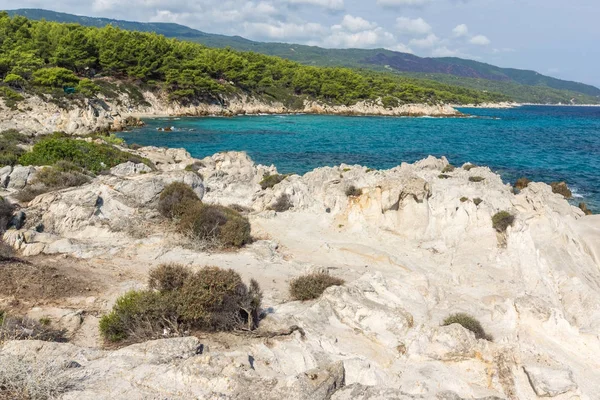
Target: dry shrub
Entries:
(23, 328)
(476, 179)
(210, 223)
(448, 168)
(22, 380)
(212, 299)
(464, 199)
(6, 212)
(522, 183)
(217, 299)
(352, 191)
(469, 323)
(583, 207)
(168, 277)
(282, 204)
(444, 176)
(468, 167)
(312, 286)
(502, 220)
(175, 199)
(562, 189)
(62, 175)
(477, 201)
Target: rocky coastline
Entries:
(36, 115)
(414, 244)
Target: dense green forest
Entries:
(517, 85)
(44, 56)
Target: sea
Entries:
(542, 143)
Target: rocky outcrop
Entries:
(36, 115)
(413, 249)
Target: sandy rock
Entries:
(19, 177)
(4, 175)
(130, 168)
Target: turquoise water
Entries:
(542, 143)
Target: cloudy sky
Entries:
(554, 37)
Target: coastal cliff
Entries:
(414, 244)
(37, 115)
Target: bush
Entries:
(90, 156)
(269, 181)
(14, 80)
(562, 189)
(9, 147)
(23, 328)
(175, 199)
(212, 223)
(11, 98)
(583, 207)
(6, 212)
(502, 220)
(217, 299)
(464, 199)
(476, 179)
(60, 176)
(477, 201)
(212, 299)
(282, 204)
(468, 167)
(522, 183)
(312, 286)
(448, 168)
(469, 323)
(352, 191)
(141, 315)
(168, 277)
(87, 88)
(55, 77)
(444, 176)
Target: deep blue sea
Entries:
(542, 143)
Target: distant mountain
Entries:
(520, 85)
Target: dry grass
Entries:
(352, 191)
(469, 323)
(282, 204)
(175, 200)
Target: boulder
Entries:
(130, 168)
(549, 382)
(20, 177)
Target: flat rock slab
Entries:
(550, 382)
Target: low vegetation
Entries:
(175, 199)
(211, 299)
(477, 201)
(10, 147)
(464, 199)
(583, 207)
(468, 167)
(269, 181)
(469, 323)
(23, 328)
(353, 191)
(522, 183)
(91, 156)
(476, 179)
(312, 286)
(444, 176)
(6, 212)
(448, 168)
(502, 220)
(282, 204)
(562, 189)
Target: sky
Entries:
(553, 37)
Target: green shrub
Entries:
(141, 315)
(468, 167)
(217, 299)
(175, 199)
(93, 157)
(352, 191)
(14, 80)
(212, 223)
(464, 199)
(502, 220)
(9, 149)
(11, 98)
(469, 323)
(269, 181)
(168, 277)
(87, 88)
(312, 286)
(444, 176)
(212, 299)
(476, 179)
(60, 176)
(55, 77)
(282, 204)
(448, 168)
(477, 201)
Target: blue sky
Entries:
(553, 37)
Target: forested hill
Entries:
(47, 56)
(518, 85)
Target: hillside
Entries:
(518, 85)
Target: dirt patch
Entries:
(30, 282)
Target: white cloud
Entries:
(356, 24)
(444, 52)
(285, 31)
(403, 3)
(480, 40)
(415, 27)
(427, 42)
(377, 37)
(330, 4)
(460, 30)
(402, 48)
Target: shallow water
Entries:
(540, 142)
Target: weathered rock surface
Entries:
(411, 253)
